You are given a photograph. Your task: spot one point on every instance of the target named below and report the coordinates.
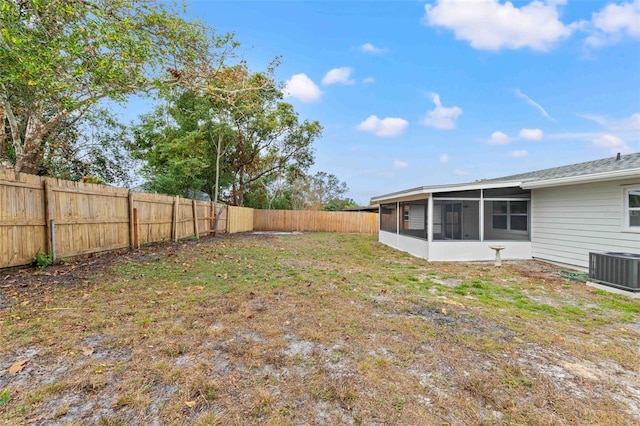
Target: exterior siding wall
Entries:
(568, 222)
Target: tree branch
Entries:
(13, 123)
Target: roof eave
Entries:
(428, 190)
(572, 180)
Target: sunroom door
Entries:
(453, 220)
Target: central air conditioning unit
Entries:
(620, 270)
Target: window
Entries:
(510, 215)
(632, 209)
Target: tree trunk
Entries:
(215, 191)
(27, 161)
(28, 155)
(4, 160)
(239, 195)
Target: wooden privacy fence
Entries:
(65, 219)
(240, 219)
(315, 221)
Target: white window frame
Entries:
(626, 211)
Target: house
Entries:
(557, 215)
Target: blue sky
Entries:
(414, 93)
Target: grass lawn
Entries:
(320, 329)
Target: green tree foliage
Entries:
(257, 137)
(336, 204)
(321, 191)
(324, 187)
(60, 57)
(91, 147)
(178, 142)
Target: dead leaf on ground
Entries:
(190, 404)
(17, 367)
(88, 351)
(444, 311)
(35, 419)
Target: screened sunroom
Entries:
(458, 222)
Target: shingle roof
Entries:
(589, 170)
(611, 164)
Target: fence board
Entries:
(21, 200)
(240, 219)
(88, 218)
(315, 221)
(154, 216)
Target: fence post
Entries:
(52, 225)
(136, 229)
(195, 219)
(212, 222)
(174, 223)
(48, 216)
(132, 238)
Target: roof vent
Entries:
(618, 157)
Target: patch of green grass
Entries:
(5, 396)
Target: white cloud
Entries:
(629, 124)
(519, 153)
(386, 127)
(627, 128)
(440, 117)
(444, 158)
(595, 118)
(531, 134)
(369, 80)
(614, 22)
(460, 172)
(612, 142)
(491, 25)
(499, 138)
(303, 88)
(341, 75)
(572, 135)
(370, 48)
(397, 164)
(534, 104)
